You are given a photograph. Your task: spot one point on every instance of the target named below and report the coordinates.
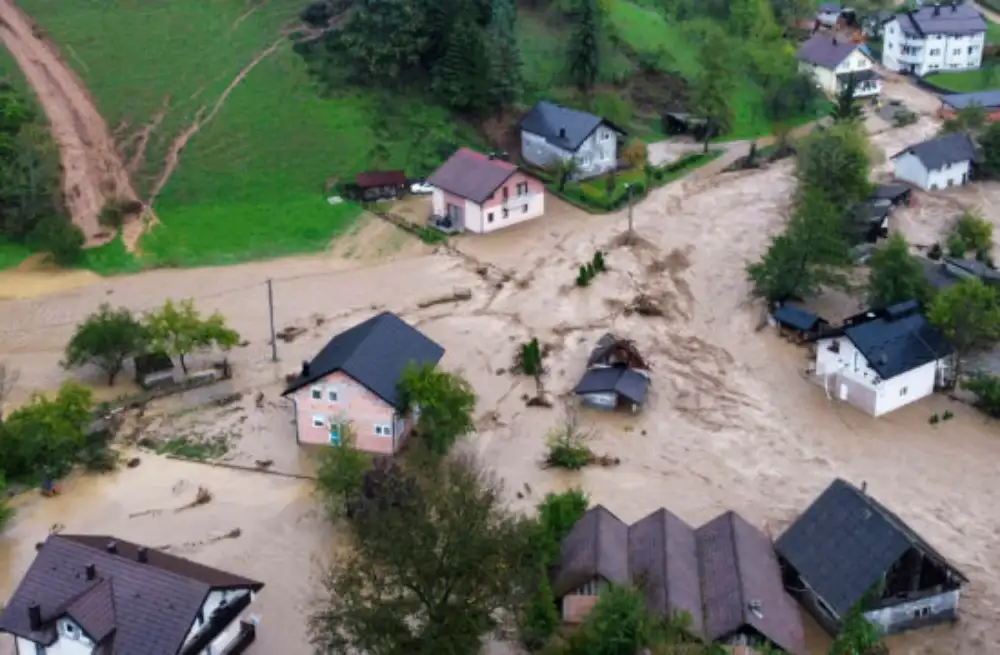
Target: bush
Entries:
(987, 391)
(956, 246)
(558, 513)
(116, 210)
(975, 232)
(340, 473)
(432, 236)
(567, 445)
(904, 117)
(317, 14)
(635, 153)
(531, 358)
(584, 276)
(60, 238)
(935, 252)
(599, 265)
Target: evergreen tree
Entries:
(847, 108)
(506, 55)
(713, 89)
(584, 45)
(835, 162)
(462, 77)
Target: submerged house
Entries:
(937, 163)
(616, 376)
(847, 547)
(724, 575)
(353, 381)
(97, 595)
(880, 360)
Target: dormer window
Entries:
(69, 629)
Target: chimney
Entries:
(305, 368)
(112, 546)
(35, 617)
(38, 545)
(937, 8)
(834, 40)
(143, 554)
(562, 132)
(864, 487)
(91, 571)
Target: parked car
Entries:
(420, 187)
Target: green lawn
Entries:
(648, 32)
(250, 183)
(992, 32)
(968, 81)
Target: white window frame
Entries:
(605, 135)
(316, 392)
(318, 421)
(382, 429)
(335, 392)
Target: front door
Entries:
(334, 434)
(455, 214)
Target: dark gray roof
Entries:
(942, 150)
(374, 353)
(829, 8)
(621, 380)
(739, 567)
(796, 317)
(975, 267)
(947, 19)
(936, 275)
(561, 126)
(985, 99)
(845, 541)
(897, 340)
(128, 607)
(894, 192)
(596, 547)
(471, 175)
(825, 51)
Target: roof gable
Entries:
(145, 607)
(375, 353)
(940, 151)
(561, 126)
(825, 51)
(471, 175)
(596, 547)
(897, 340)
(845, 541)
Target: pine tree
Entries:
(584, 45)
(507, 79)
(462, 76)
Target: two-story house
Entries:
(97, 595)
(552, 133)
(832, 61)
(880, 360)
(935, 38)
(481, 193)
(353, 381)
(937, 163)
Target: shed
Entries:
(610, 387)
(797, 322)
(153, 370)
(381, 184)
(898, 194)
(677, 122)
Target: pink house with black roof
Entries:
(480, 193)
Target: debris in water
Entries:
(132, 463)
(229, 400)
(264, 463)
(203, 497)
(644, 305)
(259, 400)
(538, 401)
(455, 296)
(290, 333)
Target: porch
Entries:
(869, 83)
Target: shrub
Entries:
(987, 391)
(541, 617)
(558, 513)
(567, 445)
(956, 246)
(599, 264)
(116, 210)
(60, 238)
(340, 472)
(975, 232)
(583, 277)
(904, 117)
(432, 236)
(635, 153)
(445, 401)
(935, 252)
(948, 415)
(531, 358)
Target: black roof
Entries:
(375, 353)
(896, 339)
(826, 51)
(561, 126)
(621, 380)
(892, 192)
(942, 150)
(127, 607)
(797, 318)
(955, 19)
(845, 541)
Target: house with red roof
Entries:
(482, 193)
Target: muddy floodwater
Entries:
(731, 422)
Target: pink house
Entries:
(353, 381)
(480, 193)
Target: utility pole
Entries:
(270, 310)
(628, 193)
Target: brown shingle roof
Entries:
(471, 175)
(129, 607)
(596, 547)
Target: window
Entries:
(522, 188)
(524, 209)
(319, 421)
(332, 394)
(935, 52)
(973, 49)
(956, 51)
(39, 649)
(586, 160)
(505, 193)
(383, 430)
(902, 392)
(317, 393)
(489, 217)
(605, 135)
(70, 630)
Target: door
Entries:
(843, 391)
(334, 434)
(965, 178)
(455, 214)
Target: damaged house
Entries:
(617, 376)
(724, 575)
(847, 544)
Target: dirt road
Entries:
(92, 170)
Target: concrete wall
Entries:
(936, 53)
(916, 613)
(521, 206)
(354, 404)
(597, 155)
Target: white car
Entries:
(421, 188)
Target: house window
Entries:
(522, 188)
(956, 51)
(332, 395)
(70, 630)
(605, 135)
(506, 212)
(935, 52)
(973, 49)
(317, 393)
(318, 421)
(489, 217)
(524, 209)
(586, 160)
(383, 430)
(902, 392)
(505, 193)
(39, 649)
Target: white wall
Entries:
(473, 218)
(211, 603)
(938, 52)
(515, 212)
(891, 394)
(63, 646)
(885, 618)
(909, 168)
(825, 78)
(596, 155)
(437, 202)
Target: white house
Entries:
(551, 133)
(880, 360)
(92, 595)
(481, 193)
(942, 37)
(937, 163)
(831, 61)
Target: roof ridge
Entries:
(741, 590)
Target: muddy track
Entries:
(92, 170)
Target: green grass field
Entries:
(968, 81)
(250, 183)
(992, 32)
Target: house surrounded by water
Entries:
(94, 595)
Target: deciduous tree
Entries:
(584, 53)
(444, 402)
(106, 339)
(384, 40)
(968, 314)
(835, 162)
(970, 119)
(896, 276)
(712, 90)
(438, 561)
(179, 329)
(340, 472)
(44, 436)
(976, 234)
(989, 144)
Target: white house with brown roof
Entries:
(97, 595)
(831, 61)
(481, 193)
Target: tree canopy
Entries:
(896, 276)
(106, 339)
(847, 108)
(712, 90)
(835, 162)
(584, 54)
(989, 145)
(444, 404)
(179, 329)
(968, 314)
